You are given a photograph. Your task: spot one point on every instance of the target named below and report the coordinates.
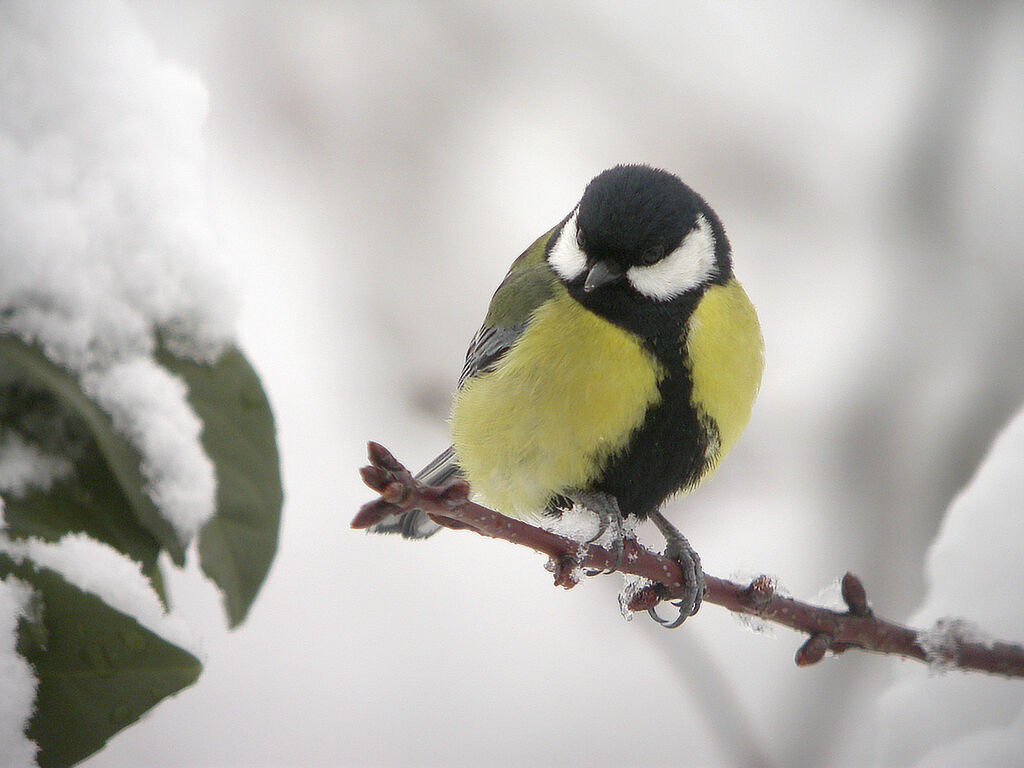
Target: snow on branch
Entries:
(945, 646)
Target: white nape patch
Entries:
(688, 266)
(565, 256)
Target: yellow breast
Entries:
(566, 396)
(726, 357)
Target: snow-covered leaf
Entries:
(117, 452)
(98, 670)
(89, 501)
(237, 546)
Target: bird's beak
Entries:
(602, 273)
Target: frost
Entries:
(575, 575)
(755, 624)
(23, 466)
(105, 247)
(630, 526)
(746, 576)
(749, 622)
(103, 571)
(16, 676)
(831, 596)
(576, 523)
(582, 525)
(941, 641)
(631, 587)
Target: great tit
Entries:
(616, 366)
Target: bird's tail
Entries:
(416, 524)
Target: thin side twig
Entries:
(827, 630)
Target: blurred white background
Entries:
(374, 169)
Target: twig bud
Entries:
(813, 650)
(855, 596)
(382, 457)
(758, 593)
(372, 512)
(375, 477)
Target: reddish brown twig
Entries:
(857, 627)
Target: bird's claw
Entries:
(608, 517)
(686, 607)
(678, 549)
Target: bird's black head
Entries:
(640, 247)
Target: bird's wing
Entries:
(528, 284)
(489, 345)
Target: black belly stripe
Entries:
(668, 453)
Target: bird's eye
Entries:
(581, 241)
(652, 255)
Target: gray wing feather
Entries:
(488, 346)
(440, 470)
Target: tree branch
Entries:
(948, 645)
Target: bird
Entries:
(616, 367)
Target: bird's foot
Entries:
(615, 546)
(609, 522)
(678, 548)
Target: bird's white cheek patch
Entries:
(688, 266)
(565, 256)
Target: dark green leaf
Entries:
(90, 502)
(237, 545)
(98, 669)
(118, 454)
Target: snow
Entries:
(101, 570)
(975, 590)
(582, 525)
(148, 406)
(576, 523)
(631, 587)
(104, 238)
(19, 683)
(831, 596)
(941, 640)
(24, 466)
(755, 624)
